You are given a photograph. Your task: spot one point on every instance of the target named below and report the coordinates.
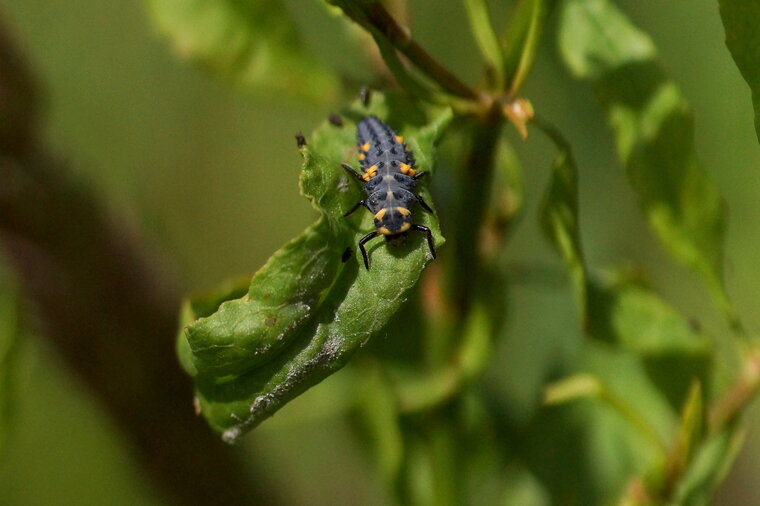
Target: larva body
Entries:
(388, 178)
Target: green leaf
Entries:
(482, 29)
(654, 130)
(200, 306)
(305, 313)
(638, 320)
(589, 386)
(743, 41)
(378, 417)
(575, 387)
(421, 389)
(710, 466)
(254, 44)
(245, 333)
(687, 437)
(559, 214)
(409, 82)
(595, 38)
(523, 33)
(618, 427)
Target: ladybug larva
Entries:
(388, 177)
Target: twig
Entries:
(731, 405)
(474, 183)
(400, 37)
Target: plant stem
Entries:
(473, 189)
(731, 405)
(400, 37)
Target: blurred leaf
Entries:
(559, 214)
(638, 320)
(361, 12)
(615, 428)
(10, 339)
(595, 38)
(586, 385)
(572, 388)
(654, 129)
(404, 78)
(252, 43)
(477, 343)
(689, 433)
(521, 487)
(740, 18)
(521, 39)
(419, 389)
(432, 472)
(305, 313)
(482, 29)
(710, 466)
(379, 417)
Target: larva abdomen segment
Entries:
(381, 150)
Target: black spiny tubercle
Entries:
(388, 177)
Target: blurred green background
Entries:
(209, 174)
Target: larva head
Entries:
(393, 221)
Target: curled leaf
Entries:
(559, 214)
(306, 312)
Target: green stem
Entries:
(464, 264)
(739, 396)
(473, 188)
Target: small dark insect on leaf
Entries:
(347, 253)
(365, 95)
(387, 167)
(335, 119)
(300, 140)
